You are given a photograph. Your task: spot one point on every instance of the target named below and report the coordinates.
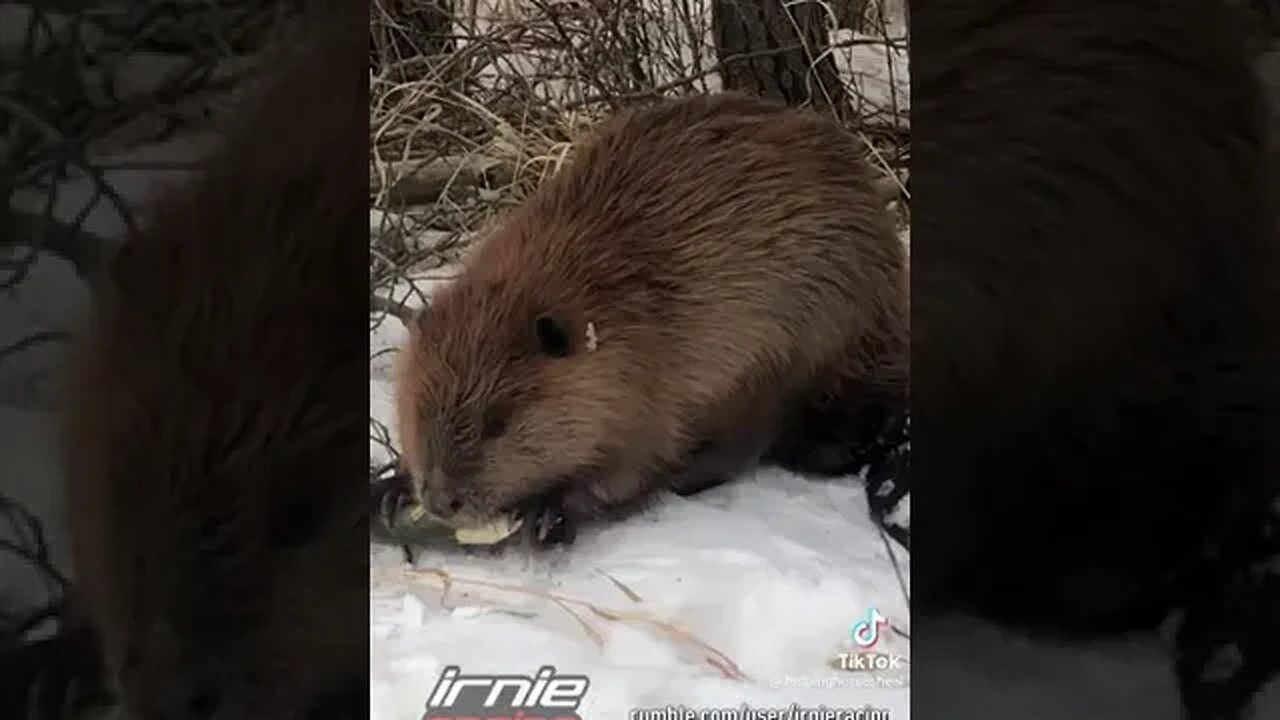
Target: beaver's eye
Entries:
(552, 339)
(495, 423)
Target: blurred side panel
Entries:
(1094, 360)
(185, 250)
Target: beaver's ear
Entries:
(553, 340)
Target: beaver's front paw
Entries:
(392, 503)
(551, 525)
(397, 518)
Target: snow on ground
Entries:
(769, 572)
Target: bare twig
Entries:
(30, 341)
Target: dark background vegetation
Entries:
(97, 103)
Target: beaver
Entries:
(1095, 394)
(216, 419)
(703, 269)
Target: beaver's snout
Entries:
(437, 495)
(442, 504)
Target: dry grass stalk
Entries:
(447, 583)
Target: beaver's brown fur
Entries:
(216, 434)
(648, 318)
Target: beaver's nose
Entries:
(440, 501)
(443, 505)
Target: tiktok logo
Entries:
(866, 632)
